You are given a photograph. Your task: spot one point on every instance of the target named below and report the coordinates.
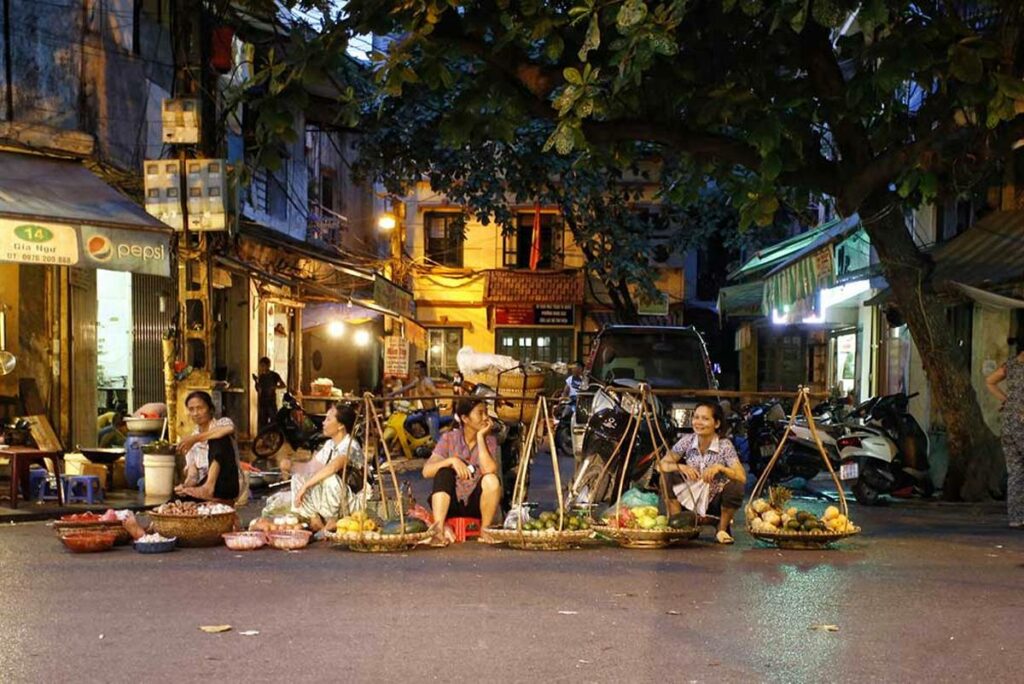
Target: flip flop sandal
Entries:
(723, 537)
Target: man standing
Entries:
(267, 384)
(422, 386)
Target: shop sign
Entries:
(652, 306)
(548, 314)
(396, 356)
(553, 315)
(136, 251)
(514, 315)
(390, 296)
(48, 244)
(114, 249)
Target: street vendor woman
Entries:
(464, 469)
(321, 498)
(211, 458)
(703, 459)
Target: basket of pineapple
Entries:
(772, 519)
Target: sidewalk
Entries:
(50, 510)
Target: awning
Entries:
(797, 279)
(741, 300)
(314, 275)
(990, 251)
(505, 286)
(989, 299)
(57, 212)
(771, 256)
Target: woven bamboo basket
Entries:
(634, 537)
(387, 503)
(194, 530)
(511, 384)
(803, 540)
(123, 537)
(557, 539)
(537, 540)
(630, 538)
(816, 539)
(376, 542)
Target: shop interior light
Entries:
(362, 338)
(336, 328)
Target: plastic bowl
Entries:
(88, 541)
(289, 540)
(244, 541)
(156, 547)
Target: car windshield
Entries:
(662, 359)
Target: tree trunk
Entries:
(976, 465)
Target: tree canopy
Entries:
(881, 105)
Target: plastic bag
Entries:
(420, 513)
(277, 504)
(514, 515)
(693, 496)
(634, 497)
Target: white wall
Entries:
(114, 326)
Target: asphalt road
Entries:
(928, 593)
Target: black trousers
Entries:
(444, 481)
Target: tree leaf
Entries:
(1010, 86)
(965, 64)
(592, 40)
(630, 14)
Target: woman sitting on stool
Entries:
(464, 471)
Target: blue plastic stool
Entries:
(39, 488)
(91, 485)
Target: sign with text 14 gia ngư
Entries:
(396, 356)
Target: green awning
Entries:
(771, 256)
(741, 300)
(794, 282)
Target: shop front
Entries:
(84, 279)
(800, 306)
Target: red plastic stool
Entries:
(464, 528)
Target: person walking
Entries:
(1011, 415)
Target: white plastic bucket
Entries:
(159, 474)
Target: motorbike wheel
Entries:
(268, 443)
(563, 442)
(597, 481)
(865, 495)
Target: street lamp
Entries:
(387, 221)
(390, 222)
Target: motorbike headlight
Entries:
(682, 416)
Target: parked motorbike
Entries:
(407, 432)
(602, 459)
(291, 424)
(887, 453)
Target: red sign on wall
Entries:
(514, 315)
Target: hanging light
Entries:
(362, 338)
(336, 328)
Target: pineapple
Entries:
(778, 497)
